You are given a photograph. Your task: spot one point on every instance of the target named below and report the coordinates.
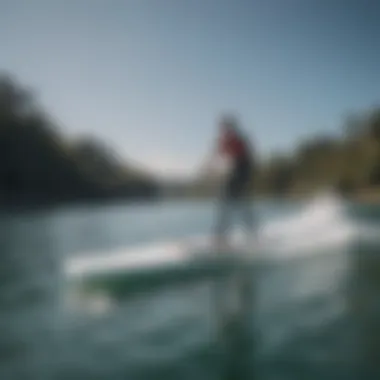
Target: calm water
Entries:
(313, 311)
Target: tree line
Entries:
(38, 165)
(347, 163)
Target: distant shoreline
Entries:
(365, 196)
(371, 196)
(37, 206)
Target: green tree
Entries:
(38, 165)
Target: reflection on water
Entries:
(28, 298)
(314, 316)
(365, 308)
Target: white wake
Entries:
(322, 224)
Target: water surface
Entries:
(314, 310)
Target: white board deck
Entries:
(155, 256)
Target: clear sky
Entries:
(150, 77)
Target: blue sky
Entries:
(151, 77)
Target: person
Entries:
(235, 146)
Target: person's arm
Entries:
(209, 164)
(216, 165)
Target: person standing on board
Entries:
(234, 146)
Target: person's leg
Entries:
(226, 208)
(223, 219)
(247, 213)
(243, 196)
